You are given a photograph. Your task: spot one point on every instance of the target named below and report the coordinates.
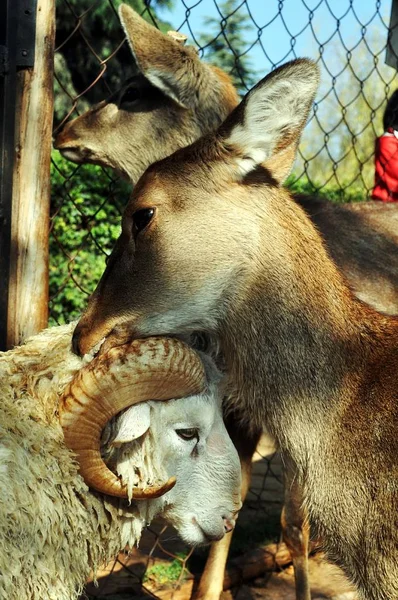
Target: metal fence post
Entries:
(8, 81)
(27, 310)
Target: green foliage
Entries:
(226, 46)
(85, 225)
(333, 193)
(163, 573)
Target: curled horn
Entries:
(149, 369)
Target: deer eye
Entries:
(142, 218)
(188, 434)
(130, 95)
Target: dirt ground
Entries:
(327, 582)
(259, 567)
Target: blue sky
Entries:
(283, 30)
(348, 37)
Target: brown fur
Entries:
(234, 257)
(362, 237)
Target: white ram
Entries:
(53, 529)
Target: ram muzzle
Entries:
(150, 369)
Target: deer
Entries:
(171, 101)
(180, 97)
(212, 242)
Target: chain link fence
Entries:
(348, 38)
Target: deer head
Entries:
(168, 104)
(202, 223)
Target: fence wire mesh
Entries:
(348, 38)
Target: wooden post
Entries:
(28, 284)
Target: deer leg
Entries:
(295, 532)
(211, 582)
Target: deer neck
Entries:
(297, 343)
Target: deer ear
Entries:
(266, 127)
(163, 60)
(132, 424)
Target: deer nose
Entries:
(82, 341)
(76, 341)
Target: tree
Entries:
(227, 47)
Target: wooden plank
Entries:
(28, 291)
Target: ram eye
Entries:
(188, 434)
(130, 95)
(142, 218)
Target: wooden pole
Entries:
(28, 285)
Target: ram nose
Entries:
(229, 524)
(229, 520)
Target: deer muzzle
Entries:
(149, 369)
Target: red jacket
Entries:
(386, 168)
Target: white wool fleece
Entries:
(53, 529)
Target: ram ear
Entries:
(164, 61)
(265, 128)
(132, 424)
